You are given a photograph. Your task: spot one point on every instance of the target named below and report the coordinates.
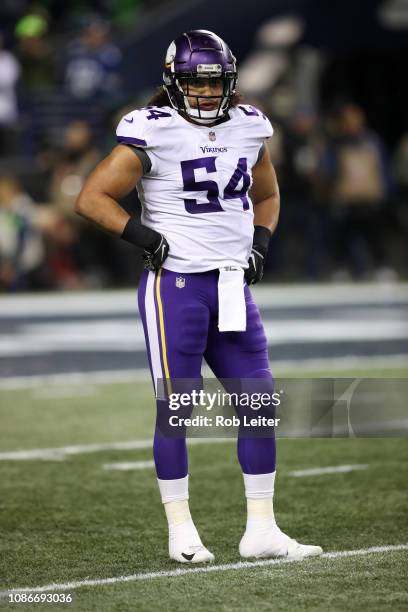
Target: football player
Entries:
(210, 202)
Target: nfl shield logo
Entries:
(212, 136)
(180, 282)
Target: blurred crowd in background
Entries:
(344, 189)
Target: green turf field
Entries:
(69, 519)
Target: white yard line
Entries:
(70, 586)
(107, 377)
(335, 469)
(59, 453)
(127, 466)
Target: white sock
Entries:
(259, 486)
(173, 490)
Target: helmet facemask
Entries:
(196, 111)
(193, 56)
(179, 92)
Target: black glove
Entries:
(153, 260)
(254, 273)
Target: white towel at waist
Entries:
(231, 300)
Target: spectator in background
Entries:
(9, 75)
(35, 55)
(357, 172)
(78, 156)
(93, 65)
(64, 265)
(77, 251)
(21, 244)
(305, 217)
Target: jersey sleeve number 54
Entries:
(190, 183)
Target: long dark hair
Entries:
(161, 98)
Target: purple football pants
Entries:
(180, 321)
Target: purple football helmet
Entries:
(194, 55)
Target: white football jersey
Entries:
(196, 192)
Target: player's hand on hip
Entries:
(154, 258)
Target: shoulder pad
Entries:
(252, 116)
(138, 127)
